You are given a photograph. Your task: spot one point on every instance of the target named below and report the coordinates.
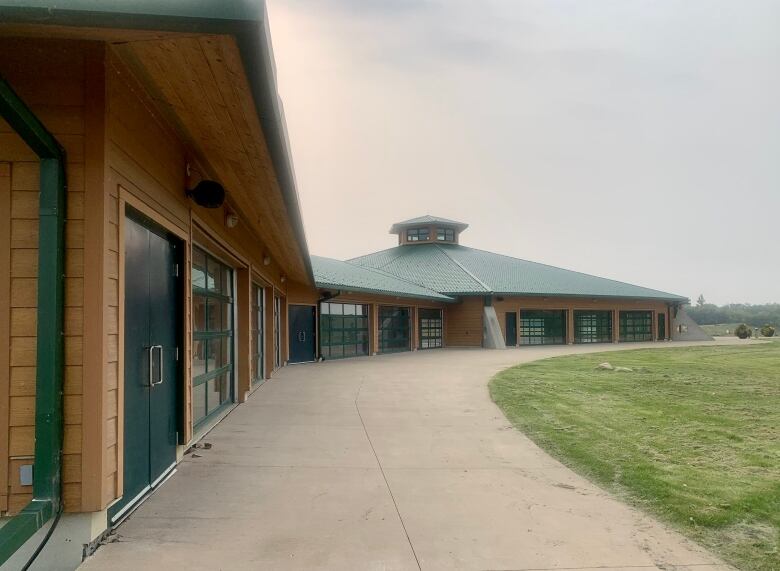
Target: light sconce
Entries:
(267, 261)
(231, 220)
(284, 279)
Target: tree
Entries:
(743, 331)
(768, 331)
(700, 302)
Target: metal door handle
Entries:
(301, 336)
(152, 382)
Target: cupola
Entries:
(428, 230)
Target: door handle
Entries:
(301, 336)
(152, 382)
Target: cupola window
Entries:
(417, 234)
(445, 235)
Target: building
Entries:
(430, 292)
(154, 269)
(149, 232)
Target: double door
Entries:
(151, 365)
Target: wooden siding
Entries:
(50, 76)
(463, 322)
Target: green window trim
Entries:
(258, 334)
(344, 330)
(394, 329)
(212, 363)
(592, 326)
(431, 325)
(445, 235)
(418, 234)
(542, 327)
(636, 326)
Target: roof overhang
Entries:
(171, 46)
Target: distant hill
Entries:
(735, 313)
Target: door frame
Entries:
(128, 201)
(316, 330)
(410, 327)
(183, 417)
(506, 326)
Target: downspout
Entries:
(47, 499)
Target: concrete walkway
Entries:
(390, 462)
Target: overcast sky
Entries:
(636, 140)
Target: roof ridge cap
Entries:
(462, 267)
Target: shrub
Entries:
(743, 331)
(768, 331)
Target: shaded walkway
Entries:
(390, 462)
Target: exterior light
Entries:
(231, 220)
(267, 260)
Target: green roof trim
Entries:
(427, 219)
(457, 270)
(335, 274)
(245, 20)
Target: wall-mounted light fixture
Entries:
(284, 279)
(231, 220)
(267, 260)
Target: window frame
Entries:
(636, 326)
(431, 328)
(344, 330)
(419, 234)
(222, 296)
(399, 322)
(445, 235)
(593, 326)
(538, 327)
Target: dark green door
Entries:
(302, 342)
(511, 328)
(151, 359)
(661, 326)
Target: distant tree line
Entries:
(756, 315)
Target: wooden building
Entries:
(431, 292)
(149, 235)
(154, 269)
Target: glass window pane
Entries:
(226, 352)
(198, 313)
(213, 315)
(214, 275)
(214, 354)
(213, 392)
(198, 402)
(198, 268)
(198, 358)
(227, 316)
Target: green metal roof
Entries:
(245, 20)
(457, 270)
(427, 219)
(335, 274)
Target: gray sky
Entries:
(635, 140)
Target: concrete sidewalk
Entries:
(390, 462)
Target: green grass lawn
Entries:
(692, 435)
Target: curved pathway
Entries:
(390, 462)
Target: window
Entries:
(417, 234)
(212, 335)
(542, 327)
(393, 329)
(430, 328)
(258, 338)
(445, 235)
(277, 332)
(636, 325)
(343, 330)
(592, 326)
